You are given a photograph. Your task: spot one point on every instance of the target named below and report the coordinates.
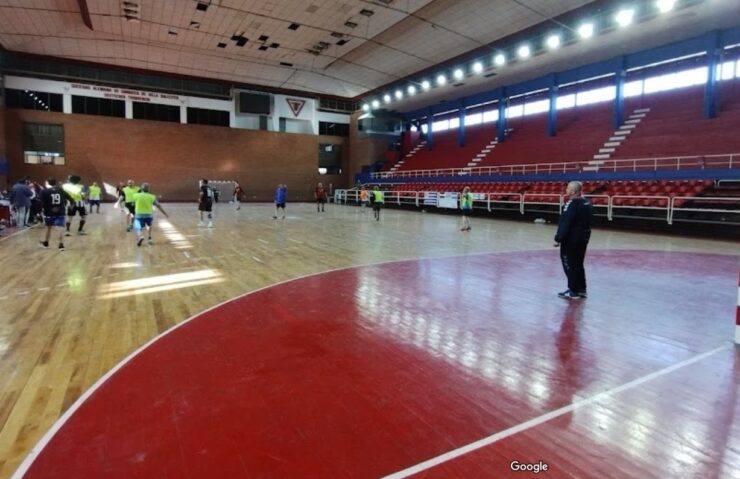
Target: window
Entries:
(33, 100)
(333, 129)
(490, 116)
(515, 111)
(203, 116)
(565, 101)
(598, 95)
(633, 88)
(441, 125)
(454, 123)
(43, 144)
(474, 119)
(152, 111)
(98, 106)
(535, 107)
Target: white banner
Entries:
(448, 200)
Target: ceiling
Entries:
(345, 48)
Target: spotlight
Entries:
(376, 103)
(426, 85)
(459, 74)
(499, 59)
(412, 90)
(477, 67)
(387, 98)
(624, 17)
(665, 6)
(553, 41)
(441, 80)
(399, 94)
(365, 107)
(586, 30)
(524, 51)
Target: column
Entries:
(430, 120)
(183, 114)
(461, 127)
(67, 102)
(620, 76)
(129, 105)
(552, 116)
(501, 123)
(714, 58)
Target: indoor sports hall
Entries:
(323, 238)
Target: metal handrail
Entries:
(728, 160)
(702, 198)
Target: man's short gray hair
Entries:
(576, 186)
(145, 187)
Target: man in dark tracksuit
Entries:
(574, 231)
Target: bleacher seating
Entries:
(643, 193)
(446, 152)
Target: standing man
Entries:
(205, 203)
(238, 193)
(20, 200)
(76, 204)
(54, 200)
(574, 232)
(319, 195)
(128, 203)
(94, 193)
(377, 198)
(281, 195)
(466, 205)
(144, 203)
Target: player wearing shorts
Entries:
(364, 199)
(205, 203)
(377, 198)
(93, 197)
(74, 189)
(281, 196)
(319, 195)
(54, 202)
(466, 205)
(128, 203)
(144, 203)
(238, 193)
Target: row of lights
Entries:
(623, 18)
(37, 99)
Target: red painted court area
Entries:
(368, 371)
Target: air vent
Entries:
(195, 25)
(286, 64)
(337, 35)
(458, 84)
(366, 12)
(264, 38)
(293, 26)
(350, 24)
(221, 45)
(342, 42)
(203, 6)
(263, 47)
(487, 75)
(172, 32)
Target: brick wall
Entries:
(173, 157)
(3, 156)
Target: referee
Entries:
(574, 231)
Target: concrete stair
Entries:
(615, 141)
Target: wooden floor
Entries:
(67, 318)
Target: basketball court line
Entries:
(486, 441)
(62, 420)
(24, 230)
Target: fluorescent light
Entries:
(426, 85)
(459, 74)
(365, 107)
(441, 79)
(387, 98)
(586, 30)
(477, 67)
(399, 94)
(375, 103)
(524, 51)
(412, 90)
(499, 59)
(665, 6)
(553, 41)
(624, 17)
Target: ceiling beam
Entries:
(85, 12)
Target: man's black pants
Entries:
(572, 256)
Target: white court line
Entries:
(186, 254)
(258, 260)
(45, 289)
(486, 441)
(17, 232)
(295, 241)
(263, 241)
(22, 293)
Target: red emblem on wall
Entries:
(295, 105)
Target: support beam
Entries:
(430, 120)
(461, 127)
(620, 76)
(552, 116)
(501, 123)
(714, 58)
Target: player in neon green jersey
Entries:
(144, 203)
(128, 201)
(466, 205)
(73, 187)
(93, 197)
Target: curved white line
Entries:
(41, 444)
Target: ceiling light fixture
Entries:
(625, 17)
(586, 30)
